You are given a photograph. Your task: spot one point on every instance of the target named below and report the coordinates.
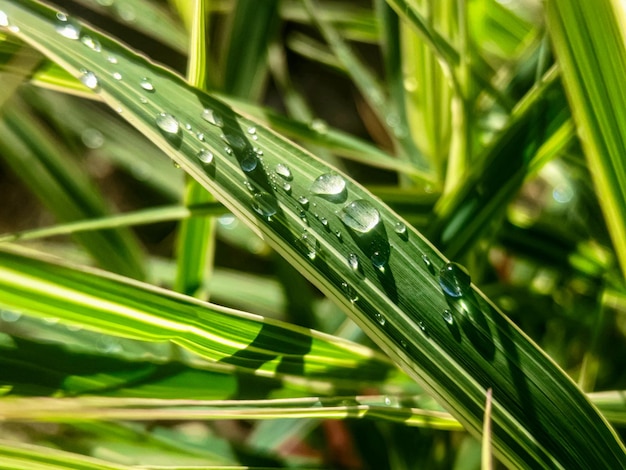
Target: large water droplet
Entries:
(249, 161)
(67, 28)
(380, 319)
(205, 156)
(89, 79)
(360, 216)
(265, 204)
(212, 117)
(91, 43)
(146, 84)
(4, 19)
(454, 280)
(283, 171)
(310, 245)
(447, 316)
(167, 123)
(329, 186)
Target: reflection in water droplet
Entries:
(447, 316)
(212, 117)
(146, 84)
(249, 161)
(379, 259)
(66, 28)
(380, 319)
(89, 79)
(167, 123)
(283, 171)
(454, 280)
(350, 292)
(360, 216)
(205, 156)
(91, 43)
(353, 261)
(4, 19)
(329, 186)
(310, 245)
(265, 204)
(324, 222)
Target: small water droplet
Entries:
(421, 325)
(428, 263)
(249, 162)
(304, 202)
(188, 127)
(350, 292)
(310, 245)
(117, 75)
(379, 260)
(329, 186)
(387, 401)
(265, 204)
(146, 84)
(353, 261)
(360, 216)
(447, 316)
(302, 214)
(287, 188)
(205, 156)
(66, 28)
(251, 130)
(4, 19)
(228, 150)
(324, 221)
(283, 171)
(9, 316)
(403, 343)
(380, 319)
(212, 117)
(111, 60)
(89, 79)
(400, 229)
(176, 164)
(258, 151)
(92, 138)
(200, 136)
(61, 16)
(338, 234)
(319, 126)
(167, 123)
(91, 43)
(237, 142)
(454, 280)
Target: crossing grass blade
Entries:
(421, 311)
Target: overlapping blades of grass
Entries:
(423, 312)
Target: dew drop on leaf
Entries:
(447, 316)
(91, 43)
(89, 79)
(287, 188)
(380, 319)
(212, 117)
(360, 216)
(304, 202)
(400, 228)
(249, 162)
(353, 261)
(4, 19)
(454, 280)
(167, 123)
(350, 292)
(66, 28)
(428, 263)
(310, 245)
(111, 60)
(146, 84)
(205, 156)
(329, 186)
(265, 204)
(283, 171)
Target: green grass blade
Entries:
(589, 44)
(425, 314)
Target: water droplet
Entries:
(228, 150)
(176, 164)
(67, 28)
(338, 234)
(283, 171)
(403, 343)
(143, 100)
(319, 126)
(205, 156)
(350, 292)
(188, 127)
(329, 186)
(237, 142)
(117, 75)
(287, 188)
(212, 117)
(89, 79)
(61, 16)
(324, 221)
(111, 60)
(249, 162)
(379, 259)
(9, 316)
(146, 84)
(91, 43)
(251, 130)
(4, 19)
(353, 261)
(447, 316)
(380, 319)
(92, 138)
(310, 245)
(200, 136)
(167, 123)
(304, 201)
(421, 325)
(400, 229)
(428, 263)
(265, 204)
(360, 216)
(387, 401)
(454, 280)
(258, 151)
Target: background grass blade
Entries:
(420, 310)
